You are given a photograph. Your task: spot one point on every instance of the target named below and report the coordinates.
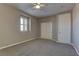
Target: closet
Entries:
(64, 28)
(46, 30)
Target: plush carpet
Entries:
(39, 47)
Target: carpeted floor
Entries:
(39, 47)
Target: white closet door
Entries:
(64, 28)
(46, 30)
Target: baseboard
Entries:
(16, 43)
(63, 43)
(72, 46)
(75, 49)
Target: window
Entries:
(25, 24)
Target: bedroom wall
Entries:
(75, 26)
(9, 26)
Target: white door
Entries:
(46, 30)
(64, 28)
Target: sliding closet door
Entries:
(46, 30)
(64, 28)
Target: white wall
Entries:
(9, 26)
(75, 26)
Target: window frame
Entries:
(27, 25)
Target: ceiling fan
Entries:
(38, 5)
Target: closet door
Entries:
(46, 30)
(64, 28)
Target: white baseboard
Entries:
(63, 43)
(72, 46)
(76, 49)
(16, 43)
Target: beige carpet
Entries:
(39, 47)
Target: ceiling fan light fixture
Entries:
(38, 5)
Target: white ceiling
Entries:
(48, 10)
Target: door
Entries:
(46, 30)
(64, 28)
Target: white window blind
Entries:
(25, 24)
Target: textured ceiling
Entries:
(48, 10)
